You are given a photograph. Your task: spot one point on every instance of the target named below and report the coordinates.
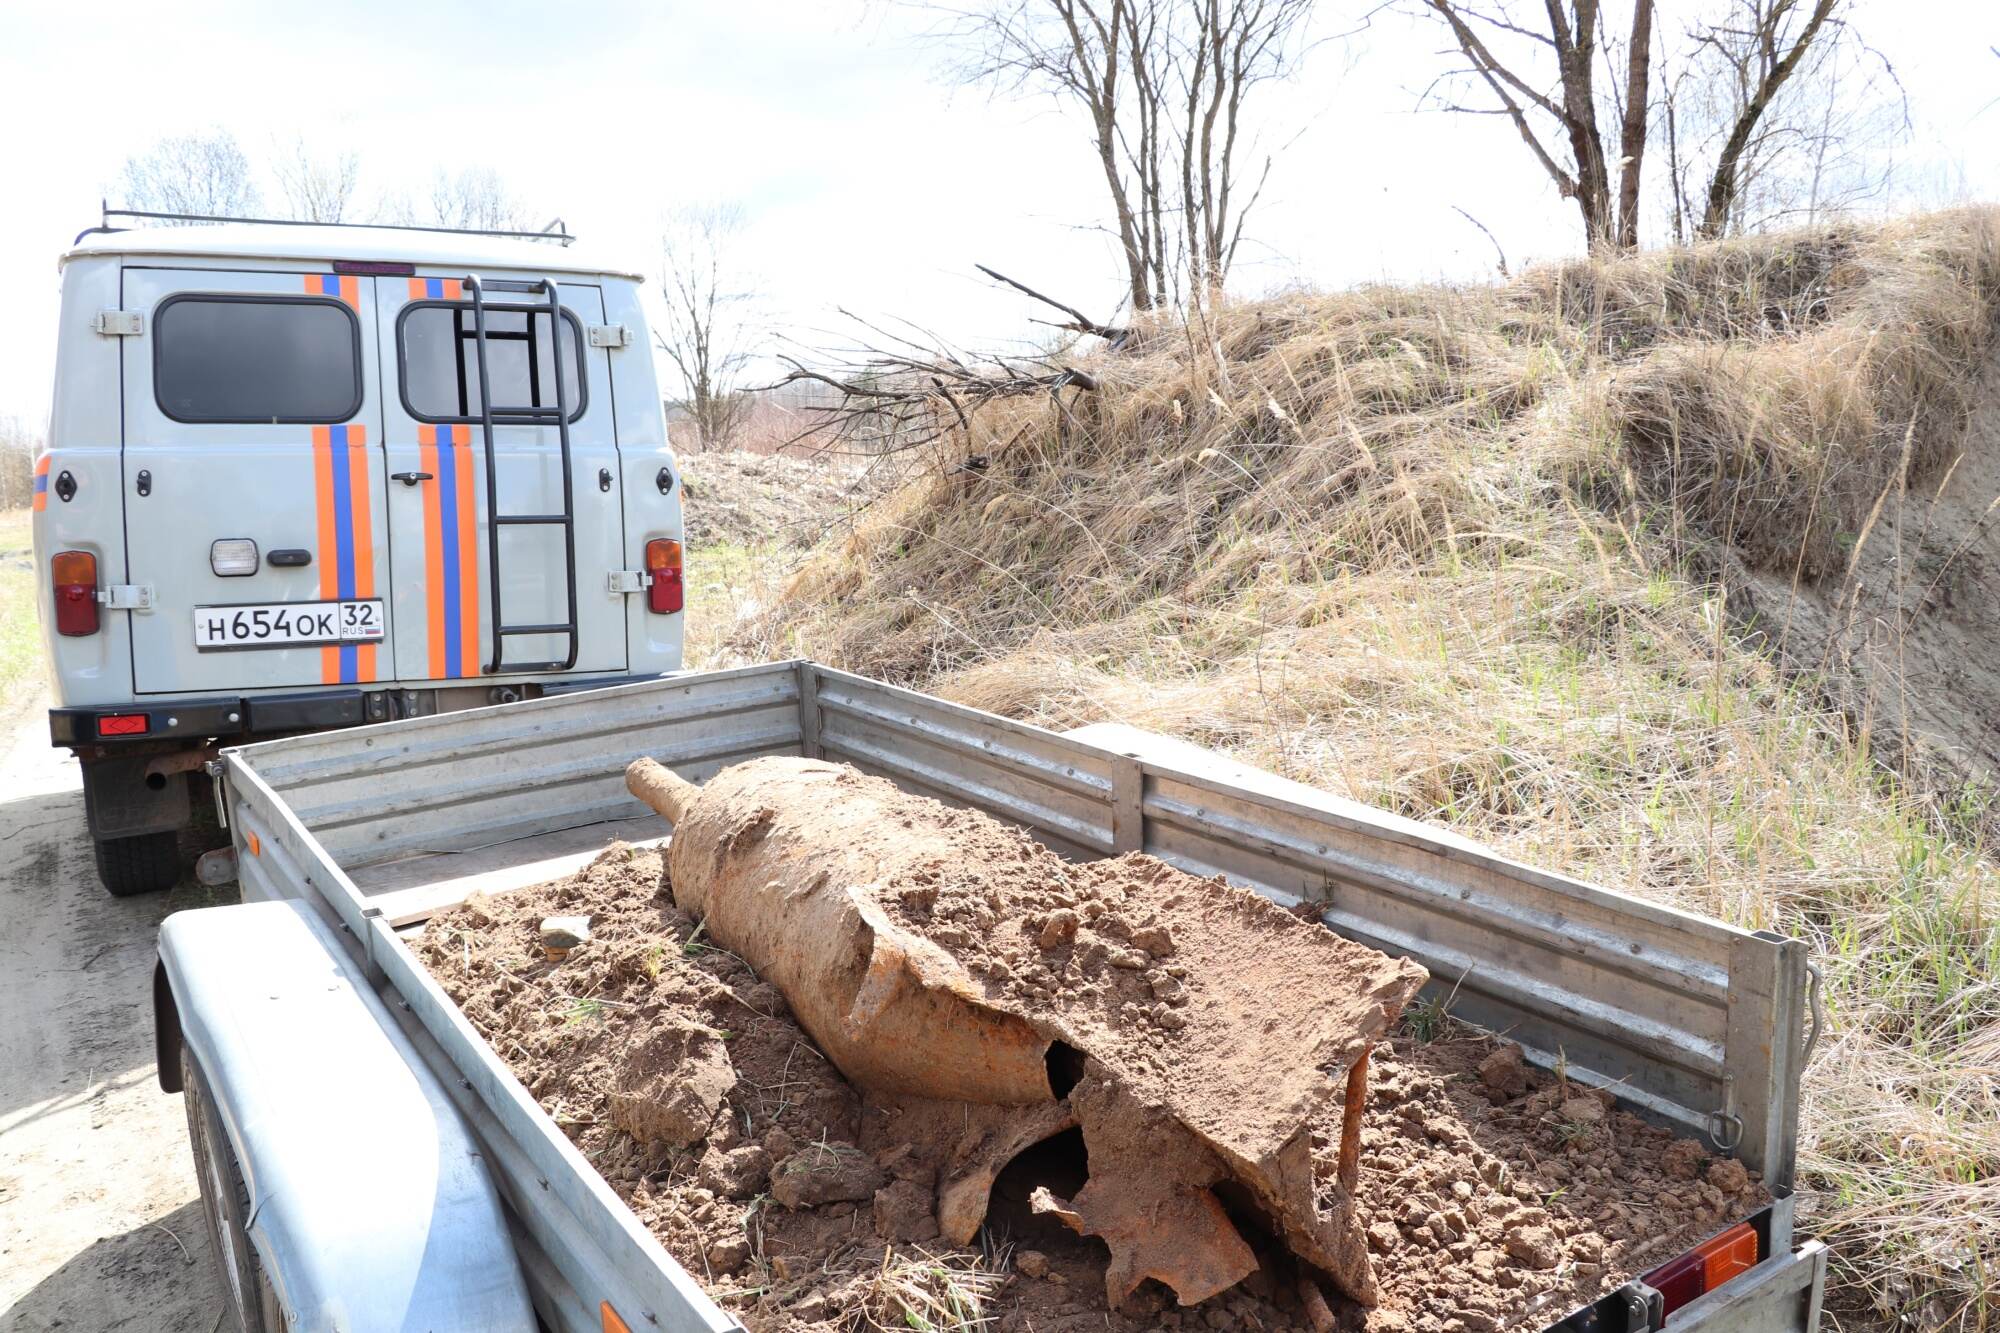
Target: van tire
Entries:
(225, 1204)
(143, 863)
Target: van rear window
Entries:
(441, 363)
(256, 359)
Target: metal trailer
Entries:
(302, 1013)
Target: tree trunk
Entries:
(1632, 141)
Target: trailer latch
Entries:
(625, 580)
(119, 323)
(609, 335)
(126, 596)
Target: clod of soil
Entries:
(1461, 1178)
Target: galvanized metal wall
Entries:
(463, 780)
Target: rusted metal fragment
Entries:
(1149, 1198)
(993, 1136)
(936, 955)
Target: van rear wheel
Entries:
(225, 1204)
(143, 863)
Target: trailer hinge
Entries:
(126, 596)
(609, 335)
(625, 581)
(119, 323)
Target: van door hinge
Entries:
(126, 596)
(119, 323)
(609, 335)
(625, 580)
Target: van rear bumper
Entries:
(221, 717)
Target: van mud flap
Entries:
(122, 799)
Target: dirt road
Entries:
(100, 1225)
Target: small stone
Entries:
(560, 934)
(1683, 1159)
(1729, 1176)
(780, 1143)
(1173, 1020)
(825, 1173)
(1059, 930)
(729, 1254)
(1533, 1247)
(736, 1174)
(1442, 1130)
(1155, 940)
(1383, 1238)
(811, 1307)
(903, 1212)
(1583, 1111)
(1032, 1263)
(1505, 1072)
(1461, 1190)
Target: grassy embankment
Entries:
(1469, 554)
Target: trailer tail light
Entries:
(123, 724)
(1704, 1268)
(74, 576)
(664, 594)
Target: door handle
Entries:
(409, 478)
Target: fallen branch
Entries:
(1079, 322)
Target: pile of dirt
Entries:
(755, 500)
(1490, 1192)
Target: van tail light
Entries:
(664, 594)
(123, 724)
(1704, 1268)
(74, 576)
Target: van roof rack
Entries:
(556, 230)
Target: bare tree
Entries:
(1560, 126)
(203, 174)
(706, 334)
(1716, 112)
(475, 198)
(1820, 142)
(318, 187)
(1164, 85)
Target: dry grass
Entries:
(1455, 552)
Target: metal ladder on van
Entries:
(491, 416)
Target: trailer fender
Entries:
(369, 1205)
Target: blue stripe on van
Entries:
(448, 484)
(343, 517)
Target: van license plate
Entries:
(283, 624)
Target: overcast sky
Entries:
(868, 181)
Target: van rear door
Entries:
(253, 481)
(439, 510)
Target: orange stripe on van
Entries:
(427, 460)
(328, 555)
(454, 289)
(468, 552)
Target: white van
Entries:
(302, 477)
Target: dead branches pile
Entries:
(892, 393)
